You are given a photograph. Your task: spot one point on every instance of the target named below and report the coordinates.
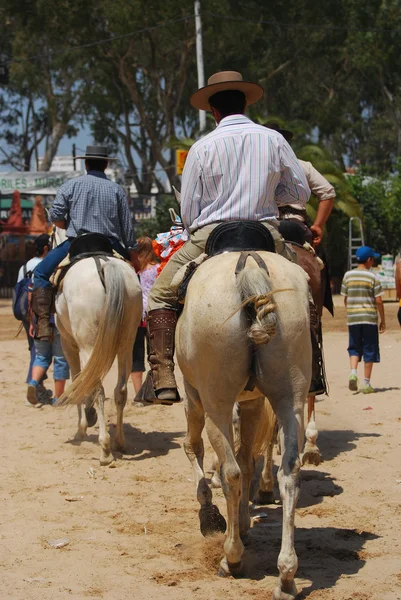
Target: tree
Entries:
(57, 74)
(23, 127)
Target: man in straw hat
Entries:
(319, 186)
(90, 203)
(240, 172)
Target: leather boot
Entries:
(41, 304)
(318, 384)
(160, 386)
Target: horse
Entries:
(217, 342)
(97, 322)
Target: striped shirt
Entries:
(240, 171)
(361, 287)
(96, 204)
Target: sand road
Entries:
(133, 529)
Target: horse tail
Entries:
(266, 431)
(256, 290)
(108, 339)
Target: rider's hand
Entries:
(134, 260)
(317, 234)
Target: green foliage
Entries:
(380, 199)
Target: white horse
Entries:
(98, 323)
(215, 354)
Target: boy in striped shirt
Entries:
(362, 293)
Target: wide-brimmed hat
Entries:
(99, 152)
(287, 135)
(222, 81)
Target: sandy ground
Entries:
(133, 531)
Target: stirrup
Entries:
(148, 394)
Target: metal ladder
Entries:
(354, 242)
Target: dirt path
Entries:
(133, 532)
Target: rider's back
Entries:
(91, 203)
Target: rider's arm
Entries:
(59, 210)
(191, 189)
(127, 230)
(293, 187)
(325, 193)
(62, 224)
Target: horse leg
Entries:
(71, 353)
(210, 518)
(311, 455)
(265, 493)
(251, 412)
(120, 396)
(291, 423)
(215, 481)
(106, 456)
(220, 431)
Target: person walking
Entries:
(148, 269)
(362, 293)
(42, 247)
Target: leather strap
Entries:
(244, 257)
(100, 268)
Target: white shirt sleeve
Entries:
(191, 189)
(319, 186)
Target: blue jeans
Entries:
(32, 352)
(46, 351)
(46, 268)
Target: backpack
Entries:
(20, 297)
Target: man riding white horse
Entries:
(241, 171)
(90, 203)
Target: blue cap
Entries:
(364, 253)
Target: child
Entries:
(147, 275)
(363, 291)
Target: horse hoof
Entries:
(106, 460)
(215, 481)
(227, 569)
(312, 457)
(287, 592)
(211, 521)
(91, 416)
(264, 498)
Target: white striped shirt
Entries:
(240, 171)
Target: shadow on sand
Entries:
(324, 553)
(332, 443)
(138, 444)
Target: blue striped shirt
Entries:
(240, 171)
(94, 203)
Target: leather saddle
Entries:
(237, 236)
(90, 243)
(86, 245)
(292, 232)
(231, 236)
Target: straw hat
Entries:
(222, 81)
(99, 152)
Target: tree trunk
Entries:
(58, 132)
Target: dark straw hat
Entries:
(287, 135)
(99, 152)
